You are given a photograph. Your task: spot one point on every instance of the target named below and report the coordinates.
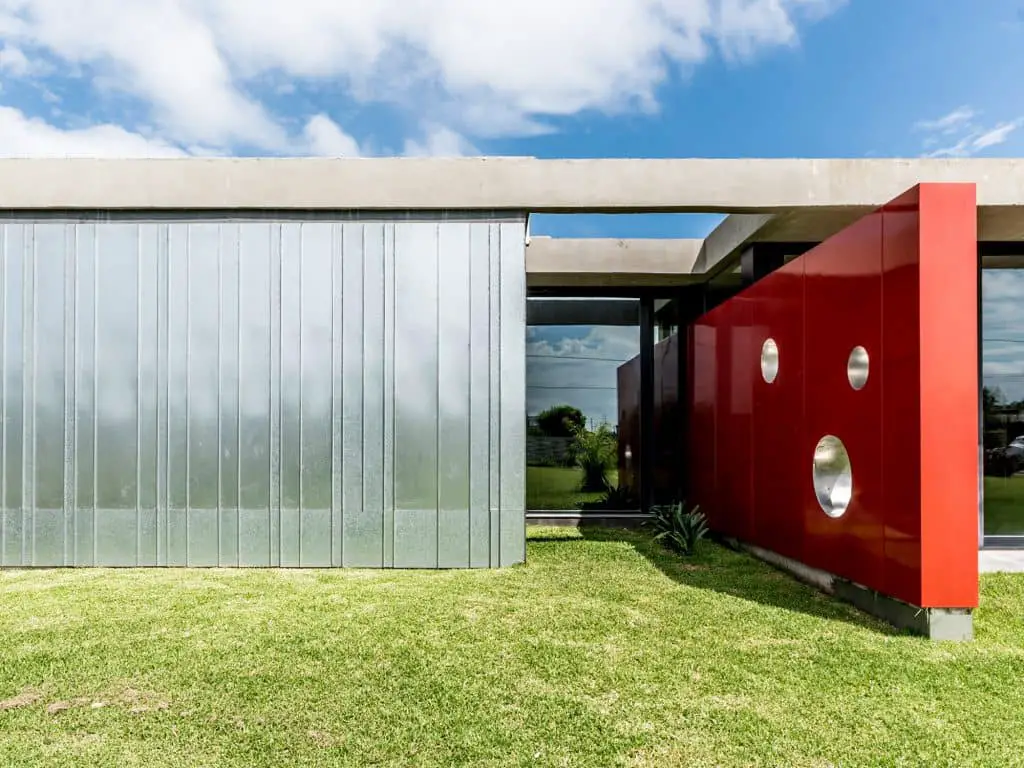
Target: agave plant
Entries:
(678, 527)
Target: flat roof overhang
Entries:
(611, 263)
(770, 200)
(496, 183)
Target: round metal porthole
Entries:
(857, 368)
(769, 360)
(833, 476)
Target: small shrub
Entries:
(595, 452)
(678, 527)
(560, 421)
(614, 499)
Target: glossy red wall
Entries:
(902, 283)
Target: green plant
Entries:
(678, 527)
(595, 451)
(560, 421)
(615, 498)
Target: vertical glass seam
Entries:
(163, 386)
(302, 243)
(188, 388)
(388, 448)
(238, 395)
(501, 392)
(69, 389)
(219, 505)
(437, 391)
(138, 393)
(29, 466)
(335, 556)
(3, 395)
(95, 385)
(468, 319)
(270, 396)
(280, 310)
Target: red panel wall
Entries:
(902, 283)
(777, 463)
(701, 436)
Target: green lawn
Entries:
(601, 651)
(558, 488)
(1004, 505)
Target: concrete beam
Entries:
(599, 262)
(519, 184)
(726, 241)
(622, 312)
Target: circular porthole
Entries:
(857, 368)
(769, 360)
(833, 476)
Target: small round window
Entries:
(833, 476)
(769, 361)
(857, 368)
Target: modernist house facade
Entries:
(323, 363)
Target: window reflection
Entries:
(1002, 322)
(575, 441)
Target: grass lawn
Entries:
(1004, 505)
(601, 651)
(558, 488)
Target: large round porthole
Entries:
(833, 476)
(857, 368)
(769, 360)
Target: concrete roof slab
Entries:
(522, 184)
(599, 262)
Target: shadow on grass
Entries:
(719, 569)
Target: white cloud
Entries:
(159, 50)
(967, 135)
(996, 135)
(440, 142)
(22, 136)
(324, 137)
(949, 122)
(14, 62)
(578, 366)
(483, 68)
(614, 343)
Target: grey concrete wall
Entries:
(342, 391)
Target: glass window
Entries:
(580, 424)
(1002, 323)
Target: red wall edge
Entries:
(949, 395)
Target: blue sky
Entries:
(573, 78)
(578, 78)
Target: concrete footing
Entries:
(955, 624)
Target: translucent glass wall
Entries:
(300, 392)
